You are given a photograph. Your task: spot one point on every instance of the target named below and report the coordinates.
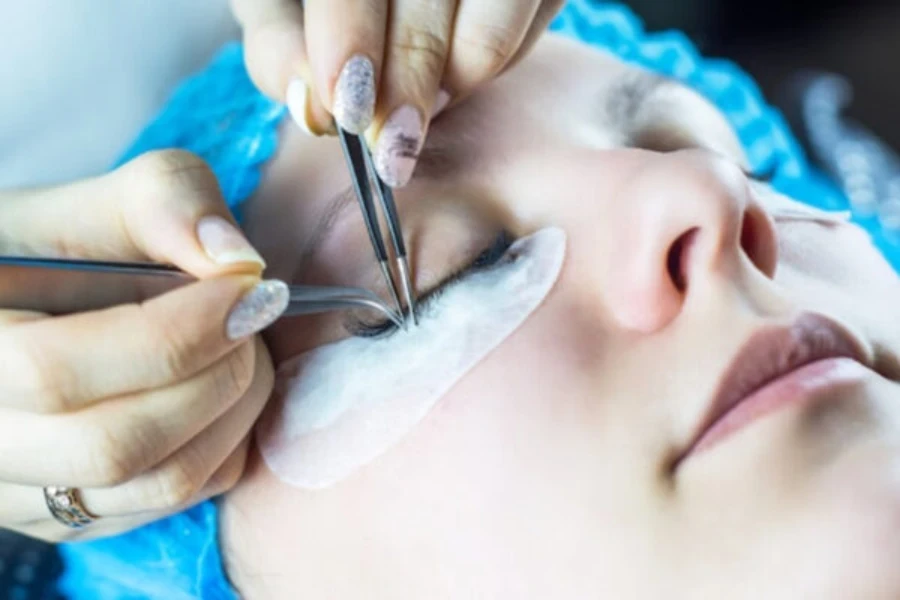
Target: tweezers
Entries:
(66, 286)
(362, 172)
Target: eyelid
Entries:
(487, 258)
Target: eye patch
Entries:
(341, 406)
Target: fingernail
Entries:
(440, 103)
(298, 103)
(398, 146)
(258, 309)
(224, 243)
(354, 95)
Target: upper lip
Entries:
(772, 353)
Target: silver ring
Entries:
(66, 507)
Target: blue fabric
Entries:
(220, 116)
(174, 559)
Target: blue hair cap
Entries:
(174, 559)
(219, 115)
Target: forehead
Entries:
(558, 89)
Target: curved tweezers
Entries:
(66, 286)
(308, 300)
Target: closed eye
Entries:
(489, 257)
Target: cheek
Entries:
(514, 453)
(340, 406)
(837, 270)
(855, 506)
(842, 254)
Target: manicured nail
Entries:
(298, 103)
(440, 103)
(398, 146)
(225, 244)
(258, 309)
(354, 95)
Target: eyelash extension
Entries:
(492, 255)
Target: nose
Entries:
(689, 219)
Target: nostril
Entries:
(749, 237)
(757, 240)
(678, 259)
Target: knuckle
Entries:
(109, 460)
(179, 482)
(41, 379)
(421, 50)
(228, 474)
(229, 478)
(167, 173)
(486, 49)
(173, 351)
(235, 374)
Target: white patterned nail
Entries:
(258, 309)
(354, 95)
(298, 103)
(398, 146)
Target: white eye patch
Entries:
(340, 406)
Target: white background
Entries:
(80, 78)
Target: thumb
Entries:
(162, 207)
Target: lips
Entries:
(812, 347)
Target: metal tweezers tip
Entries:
(392, 287)
(408, 292)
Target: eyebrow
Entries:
(631, 91)
(437, 160)
(336, 206)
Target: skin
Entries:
(546, 472)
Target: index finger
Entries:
(66, 363)
(486, 36)
(157, 207)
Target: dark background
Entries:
(775, 40)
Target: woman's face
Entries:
(565, 463)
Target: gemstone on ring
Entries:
(65, 506)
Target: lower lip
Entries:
(799, 386)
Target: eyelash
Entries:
(486, 259)
(764, 175)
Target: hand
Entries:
(146, 408)
(383, 67)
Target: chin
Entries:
(854, 535)
(847, 549)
